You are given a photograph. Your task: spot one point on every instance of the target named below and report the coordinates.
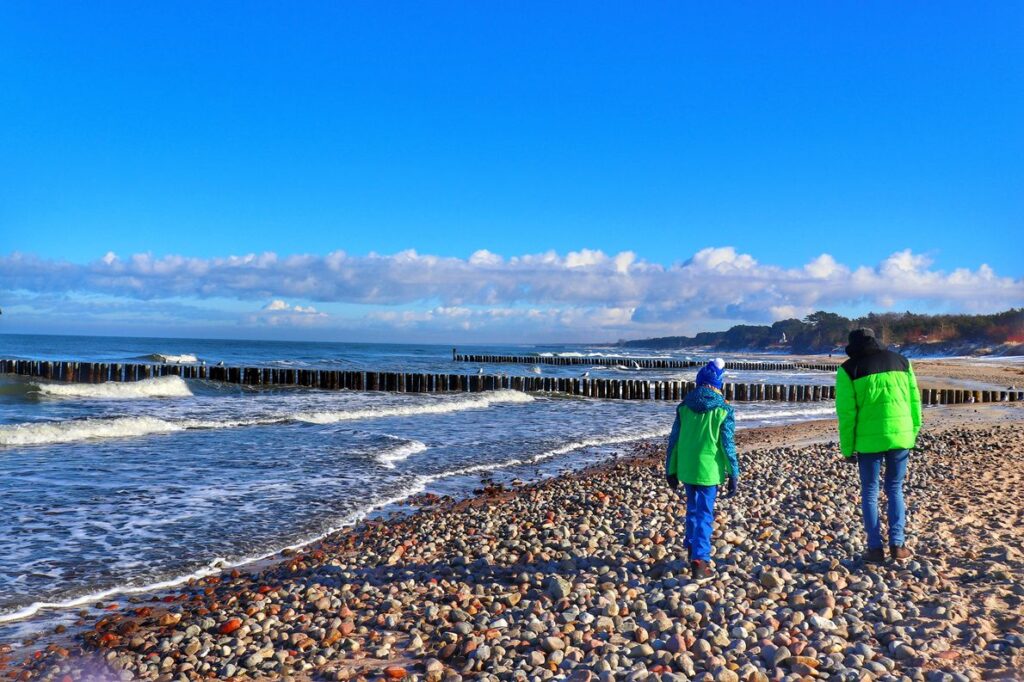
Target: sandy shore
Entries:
(994, 372)
(582, 577)
(997, 372)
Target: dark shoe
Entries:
(874, 556)
(899, 552)
(699, 570)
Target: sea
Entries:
(116, 489)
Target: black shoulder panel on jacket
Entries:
(875, 363)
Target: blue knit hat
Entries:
(712, 374)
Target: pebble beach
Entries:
(583, 577)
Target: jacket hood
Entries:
(862, 342)
(703, 399)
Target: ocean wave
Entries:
(70, 431)
(753, 414)
(44, 433)
(172, 359)
(475, 402)
(417, 485)
(216, 565)
(547, 454)
(597, 442)
(404, 450)
(414, 487)
(158, 387)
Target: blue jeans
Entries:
(895, 471)
(700, 516)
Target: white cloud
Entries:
(823, 267)
(484, 257)
(584, 258)
(280, 313)
(623, 261)
(585, 292)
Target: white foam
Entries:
(39, 433)
(216, 565)
(751, 415)
(418, 485)
(403, 451)
(596, 442)
(547, 454)
(69, 431)
(169, 358)
(158, 387)
(475, 402)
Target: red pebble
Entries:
(230, 626)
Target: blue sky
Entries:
(783, 131)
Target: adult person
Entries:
(702, 456)
(879, 410)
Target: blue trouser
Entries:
(895, 471)
(700, 515)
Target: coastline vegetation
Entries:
(825, 332)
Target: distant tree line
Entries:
(823, 332)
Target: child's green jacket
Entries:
(701, 447)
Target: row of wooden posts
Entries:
(636, 363)
(405, 382)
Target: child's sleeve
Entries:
(729, 441)
(673, 436)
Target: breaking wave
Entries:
(69, 431)
(158, 387)
(405, 449)
(475, 402)
(42, 433)
(173, 359)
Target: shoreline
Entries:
(390, 508)
(370, 550)
(402, 504)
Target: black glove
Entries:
(852, 459)
(673, 482)
(731, 485)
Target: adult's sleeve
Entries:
(673, 436)
(846, 412)
(729, 441)
(915, 400)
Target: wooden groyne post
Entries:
(406, 382)
(636, 363)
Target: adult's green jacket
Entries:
(877, 400)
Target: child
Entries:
(702, 455)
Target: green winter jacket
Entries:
(701, 447)
(877, 400)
